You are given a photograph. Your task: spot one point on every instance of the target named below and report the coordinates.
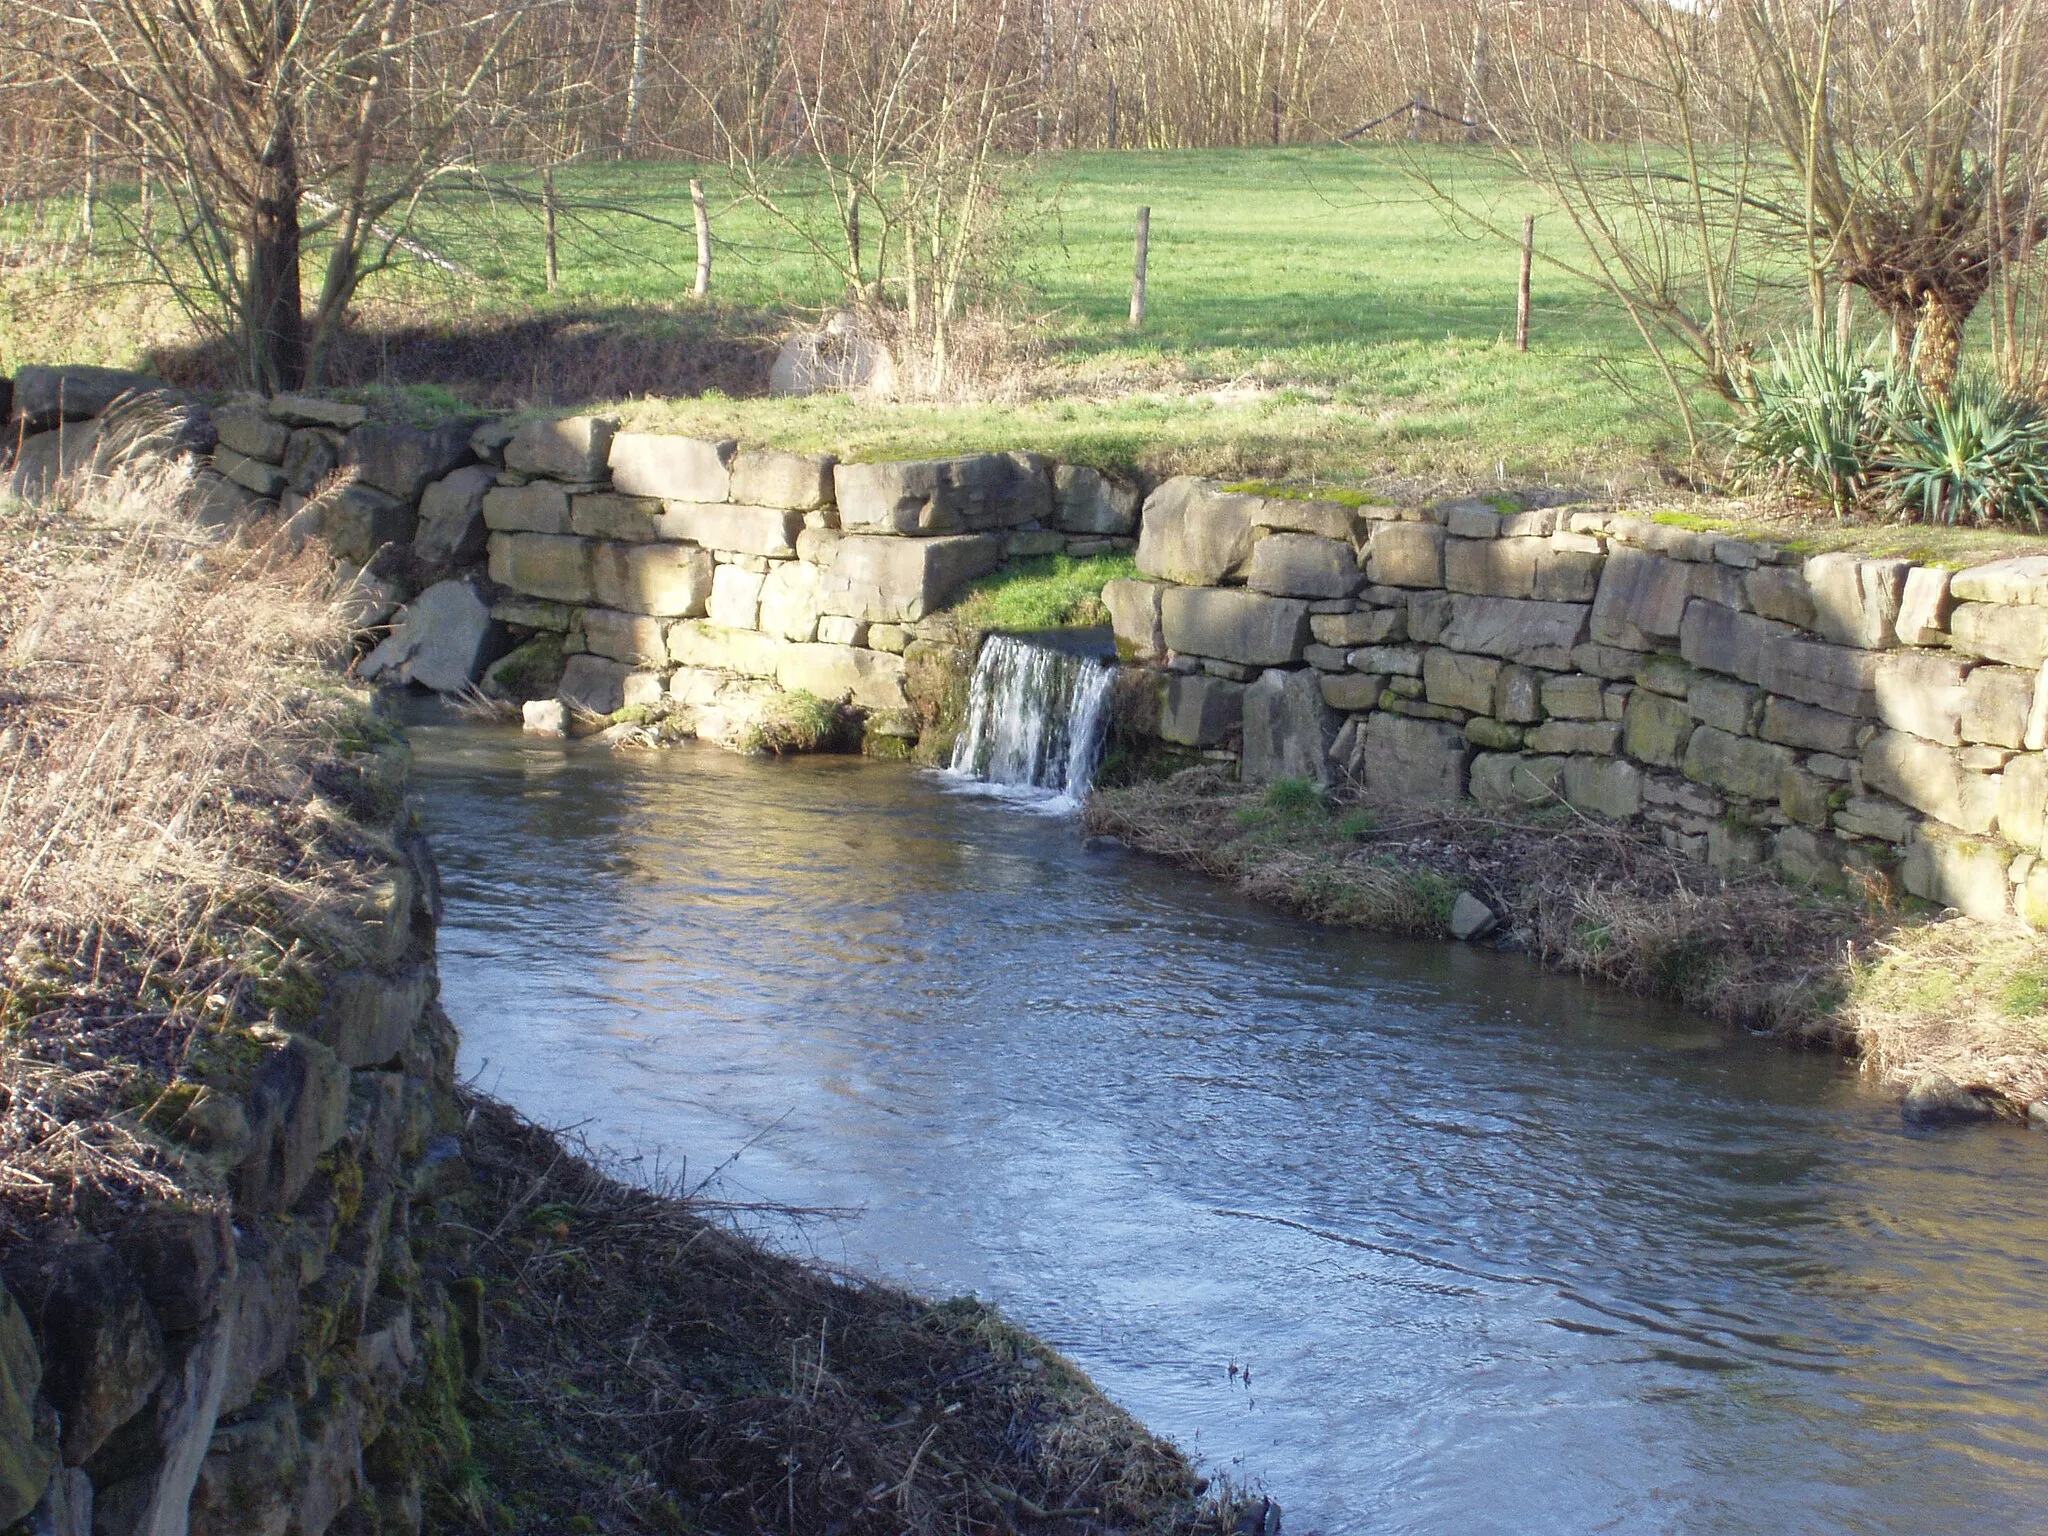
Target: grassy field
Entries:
(1312, 312)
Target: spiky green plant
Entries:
(1977, 455)
(1816, 419)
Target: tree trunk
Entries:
(1938, 342)
(636, 82)
(276, 327)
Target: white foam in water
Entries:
(1035, 723)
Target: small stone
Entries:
(1938, 1100)
(544, 717)
(1471, 918)
(2037, 1115)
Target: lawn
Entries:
(1311, 312)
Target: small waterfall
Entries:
(1036, 715)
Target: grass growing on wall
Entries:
(1049, 592)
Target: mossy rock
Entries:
(530, 671)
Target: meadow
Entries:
(1313, 311)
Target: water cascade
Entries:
(1035, 718)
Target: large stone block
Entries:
(402, 461)
(1199, 711)
(360, 520)
(1574, 697)
(1287, 729)
(1718, 639)
(695, 643)
(1604, 786)
(1837, 677)
(1807, 857)
(670, 581)
(1957, 871)
(256, 475)
(1232, 624)
(595, 683)
(443, 640)
(1134, 616)
(1930, 779)
(251, 430)
(1196, 535)
(672, 468)
(1856, 602)
(1088, 501)
(1405, 555)
(451, 527)
(1577, 736)
(1794, 724)
(1518, 695)
(870, 679)
(974, 492)
(46, 396)
(1779, 592)
(1413, 762)
(1492, 567)
(789, 601)
(1535, 634)
(736, 597)
(1324, 519)
(1997, 702)
(633, 638)
(1924, 606)
(544, 565)
(541, 507)
(770, 532)
(575, 448)
(767, 477)
(1458, 681)
(897, 581)
(41, 461)
(2017, 635)
(1303, 565)
(1567, 575)
(310, 457)
(608, 515)
(1729, 706)
(2023, 579)
(1738, 765)
(1924, 695)
(102, 1348)
(1655, 729)
(1510, 778)
(1352, 692)
(1641, 600)
(2023, 800)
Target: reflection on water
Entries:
(1495, 1252)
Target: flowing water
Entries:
(1036, 712)
(1416, 1237)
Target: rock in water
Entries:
(545, 717)
(442, 640)
(1937, 1100)
(1471, 918)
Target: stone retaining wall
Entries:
(1828, 715)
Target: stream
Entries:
(1412, 1236)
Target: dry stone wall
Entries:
(1827, 715)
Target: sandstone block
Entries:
(2017, 635)
(1303, 565)
(1405, 555)
(672, 468)
(572, 448)
(1200, 711)
(1572, 697)
(1725, 705)
(1324, 519)
(671, 581)
(1235, 625)
(894, 581)
(1924, 695)
(1088, 501)
(770, 532)
(1655, 729)
(1641, 599)
(1805, 797)
(1836, 677)
(1875, 816)
(1604, 786)
(1924, 606)
(1366, 626)
(1607, 661)
(767, 477)
(1738, 765)
(1718, 639)
(1780, 592)
(633, 638)
(451, 527)
(1997, 702)
(1816, 730)
(1509, 778)
(252, 431)
(1408, 761)
(608, 515)
(542, 565)
(1718, 584)
(1491, 567)
(1735, 848)
(1470, 518)
(1196, 535)
(102, 1348)
(870, 679)
(595, 683)
(1135, 619)
(1532, 633)
(402, 461)
(443, 640)
(1930, 779)
(1578, 736)
(1856, 602)
(1518, 695)
(312, 411)
(2023, 579)
(1957, 871)
(310, 457)
(1567, 575)
(1389, 660)
(974, 492)
(1459, 681)
(1428, 615)
(251, 474)
(1807, 857)
(1287, 729)
(539, 507)
(789, 601)
(695, 643)
(735, 598)
(1352, 692)
(360, 520)
(2023, 800)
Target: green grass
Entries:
(1311, 313)
(1048, 592)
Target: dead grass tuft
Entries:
(1966, 999)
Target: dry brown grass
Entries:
(168, 707)
(655, 1371)
(1968, 1000)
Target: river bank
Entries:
(268, 1265)
(1945, 1009)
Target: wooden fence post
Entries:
(703, 217)
(1138, 268)
(552, 268)
(1522, 290)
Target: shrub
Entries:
(1978, 455)
(1815, 420)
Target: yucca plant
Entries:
(1976, 455)
(1815, 420)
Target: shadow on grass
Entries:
(539, 358)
